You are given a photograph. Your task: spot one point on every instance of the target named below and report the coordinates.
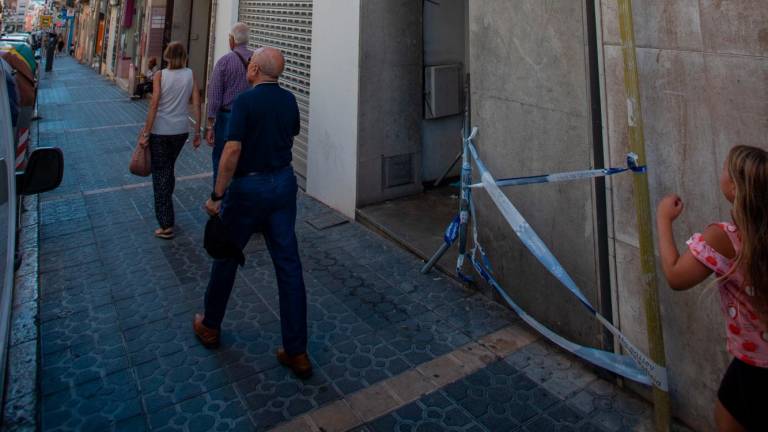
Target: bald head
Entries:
(270, 61)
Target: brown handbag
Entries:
(141, 163)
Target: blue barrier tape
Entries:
(464, 278)
(452, 232)
(618, 364)
(654, 374)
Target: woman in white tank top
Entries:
(167, 129)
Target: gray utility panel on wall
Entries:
(442, 87)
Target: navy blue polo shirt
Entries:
(264, 119)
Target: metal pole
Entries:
(466, 173)
(448, 171)
(435, 258)
(662, 410)
(466, 180)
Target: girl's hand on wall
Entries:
(670, 208)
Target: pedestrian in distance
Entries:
(146, 86)
(60, 45)
(256, 191)
(50, 50)
(228, 80)
(167, 130)
(737, 253)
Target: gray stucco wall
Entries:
(390, 109)
(530, 100)
(444, 43)
(198, 40)
(704, 84)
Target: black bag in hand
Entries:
(218, 243)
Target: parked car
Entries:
(43, 172)
(34, 38)
(20, 37)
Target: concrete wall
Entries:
(530, 100)
(704, 84)
(444, 43)
(181, 21)
(366, 100)
(390, 110)
(226, 17)
(333, 118)
(112, 40)
(198, 40)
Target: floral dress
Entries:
(747, 336)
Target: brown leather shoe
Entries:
(207, 336)
(299, 364)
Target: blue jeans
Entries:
(220, 132)
(264, 203)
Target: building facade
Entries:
(118, 37)
(547, 94)
(381, 87)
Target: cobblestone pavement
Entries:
(395, 350)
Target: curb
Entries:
(20, 403)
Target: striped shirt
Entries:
(228, 80)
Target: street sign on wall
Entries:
(46, 21)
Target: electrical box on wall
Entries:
(398, 171)
(442, 95)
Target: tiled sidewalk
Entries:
(116, 306)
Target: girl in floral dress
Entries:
(737, 253)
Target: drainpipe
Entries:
(210, 62)
(95, 10)
(662, 410)
(601, 201)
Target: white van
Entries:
(44, 172)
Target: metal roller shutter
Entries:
(287, 25)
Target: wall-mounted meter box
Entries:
(442, 91)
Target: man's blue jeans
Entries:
(220, 132)
(264, 203)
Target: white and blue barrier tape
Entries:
(637, 366)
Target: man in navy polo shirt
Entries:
(256, 174)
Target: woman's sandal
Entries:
(165, 234)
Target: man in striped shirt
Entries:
(227, 82)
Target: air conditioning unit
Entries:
(443, 93)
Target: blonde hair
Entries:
(748, 168)
(175, 55)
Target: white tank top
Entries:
(173, 111)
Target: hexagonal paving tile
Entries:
(180, 376)
(275, 395)
(248, 348)
(500, 397)
(94, 405)
(217, 410)
(363, 361)
(477, 315)
(423, 338)
(431, 413)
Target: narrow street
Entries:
(394, 350)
